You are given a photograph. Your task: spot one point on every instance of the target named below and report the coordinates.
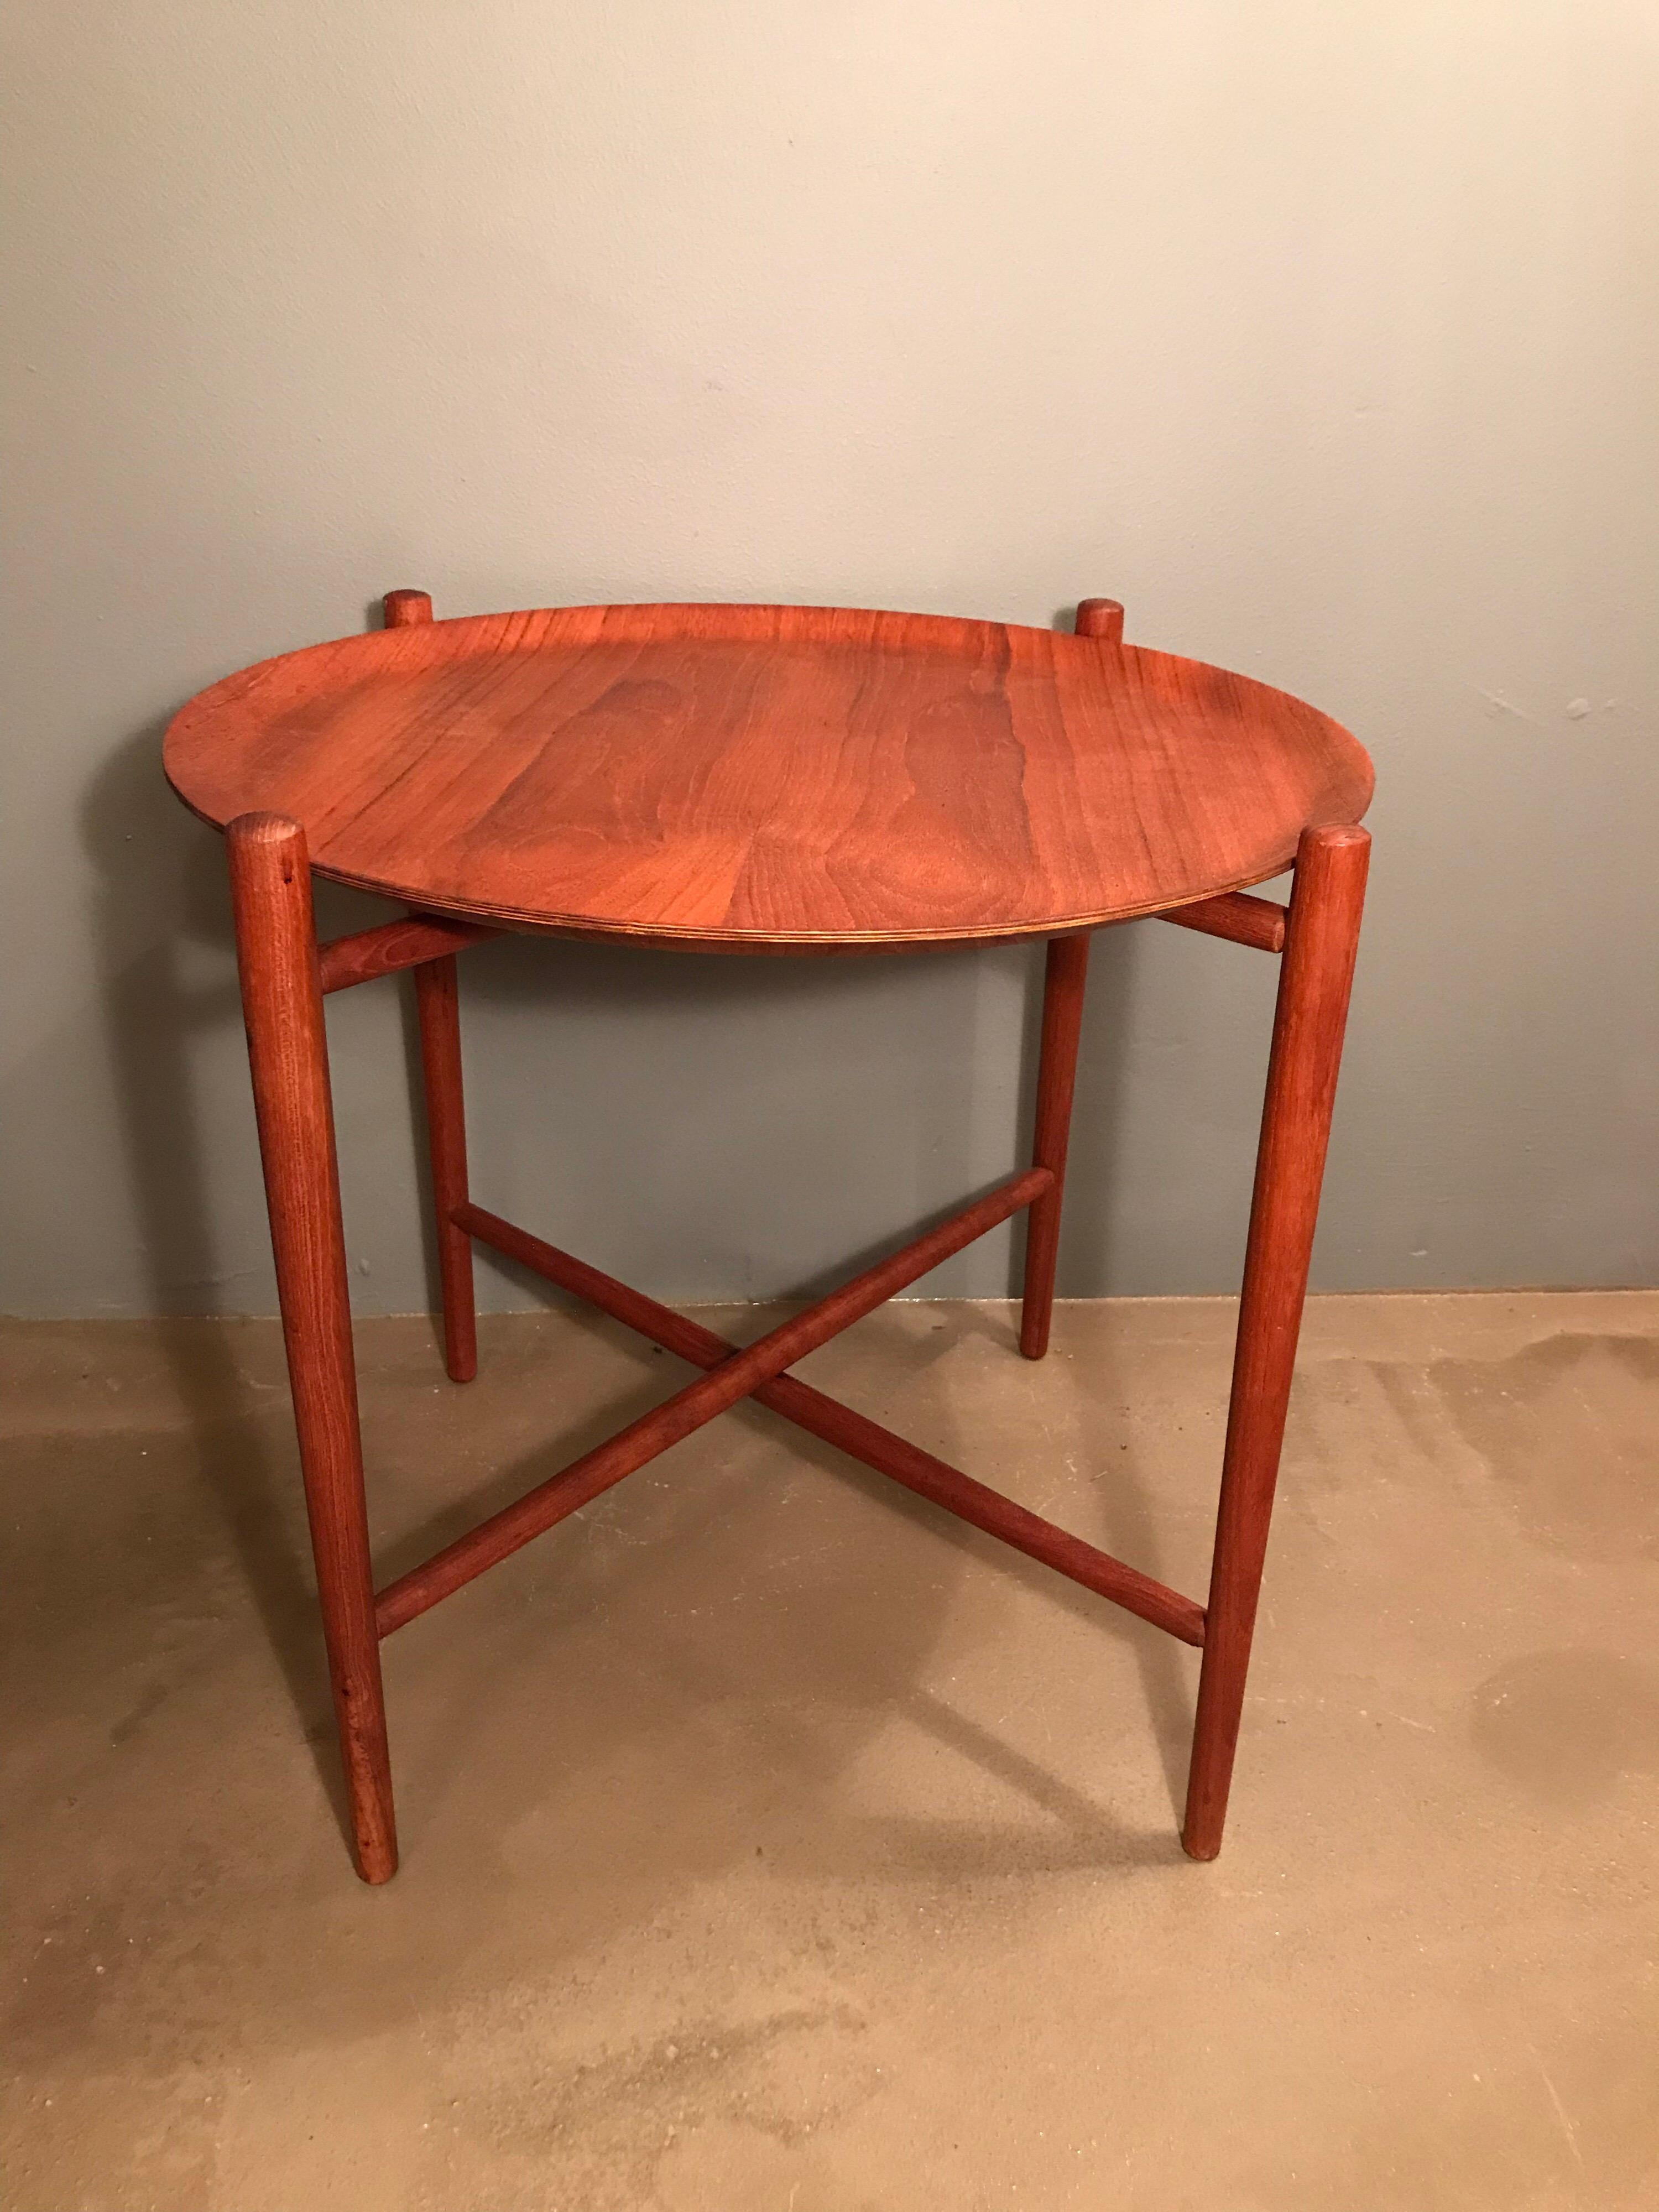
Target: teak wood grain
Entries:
(765, 778)
(282, 1003)
(1321, 941)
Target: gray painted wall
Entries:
(1325, 338)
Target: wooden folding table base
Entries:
(284, 976)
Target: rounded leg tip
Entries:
(401, 609)
(376, 1866)
(1101, 618)
(1033, 1332)
(260, 831)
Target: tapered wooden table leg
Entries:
(1321, 938)
(1064, 977)
(1063, 982)
(281, 1002)
(437, 1000)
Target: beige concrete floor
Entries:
(773, 1844)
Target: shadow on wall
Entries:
(164, 891)
(762, 1128)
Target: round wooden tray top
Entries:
(768, 777)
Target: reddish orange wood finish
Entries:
(766, 780)
(690, 1408)
(853, 1433)
(1065, 975)
(1101, 618)
(756, 777)
(391, 946)
(277, 956)
(438, 1004)
(1236, 915)
(1322, 940)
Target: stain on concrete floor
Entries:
(771, 1841)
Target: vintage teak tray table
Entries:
(776, 780)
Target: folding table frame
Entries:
(285, 975)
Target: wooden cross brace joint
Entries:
(392, 946)
(419, 938)
(757, 1372)
(1237, 916)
